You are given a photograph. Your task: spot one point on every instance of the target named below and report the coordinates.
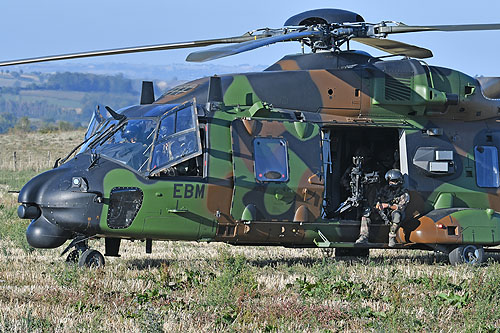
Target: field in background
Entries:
(24, 155)
(216, 287)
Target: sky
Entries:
(31, 28)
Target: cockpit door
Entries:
(177, 138)
(277, 171)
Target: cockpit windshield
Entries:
(148, 145)
(129, 143)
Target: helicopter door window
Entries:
(271, 159)
(487, 174)
(178, 140)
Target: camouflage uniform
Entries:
(398, 198)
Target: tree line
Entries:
(116, 91)
(73, 82)
(88, 83)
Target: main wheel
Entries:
(351, 252)
(327, 252)
(467, 254)
(92, 259)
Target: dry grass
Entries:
(206, 287)
(192, 287)
(33, 149)
(34, 153)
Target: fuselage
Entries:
(271, 154)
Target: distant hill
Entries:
(168, 72)
(46, 99)
(48, 93)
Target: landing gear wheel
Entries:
(467, 254)
(327, 252)
(92, 259)
(73, 257)
(351, 252)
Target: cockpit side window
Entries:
(178, 140)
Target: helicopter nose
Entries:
(59, 205)
(44, 235)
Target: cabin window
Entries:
(271, 159)
(486, 166)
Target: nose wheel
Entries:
(73, 257)
(83, 255)
(91, 258)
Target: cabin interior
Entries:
(380, 147)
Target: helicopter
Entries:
(258, 158)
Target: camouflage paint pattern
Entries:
(295, 99)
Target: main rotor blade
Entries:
(417, 28)
(135, 49)
(224, 51)
(395, 47)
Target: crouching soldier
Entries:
(392, 201)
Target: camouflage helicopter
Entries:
(258, 158)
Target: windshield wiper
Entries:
(109, 133)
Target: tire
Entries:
(467, 254)
(73, 257)
(327, 252)
(91, 259)
(351, 252)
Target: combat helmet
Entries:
(394, 177)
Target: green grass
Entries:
(207, 287)
(63, 101)
(14, 181)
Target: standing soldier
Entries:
(392, 201)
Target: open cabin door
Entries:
(277, 170)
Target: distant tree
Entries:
(23, 125)
(7, 121)
(65, 126)
(89, 83)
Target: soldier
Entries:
(392, 201)
(369, 166)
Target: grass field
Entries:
(24, 155)
(193, 287)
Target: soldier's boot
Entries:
(392, 232)
(392, 239)
(363, 231)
